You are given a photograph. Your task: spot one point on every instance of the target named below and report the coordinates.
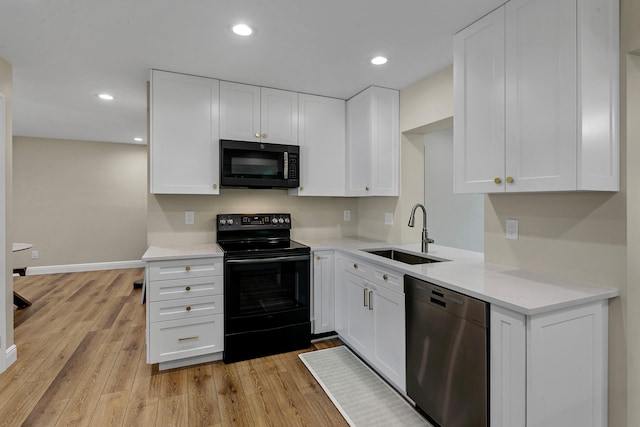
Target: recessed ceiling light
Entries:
(105, 96)
(379, 60)
(137, 139)
(242, 30)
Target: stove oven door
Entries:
(267, 305)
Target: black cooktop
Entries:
(279, 245)
(257, 235)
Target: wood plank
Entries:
(124, 370)
(203, 407)
(172, 411)
(110, 410)
(234, 409)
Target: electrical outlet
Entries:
(512, 229)
(34, 254)
(189, 217)
(347, 215)
(388, 218)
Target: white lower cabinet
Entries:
(546, 370)
(323, 314)
(549, 369)
(184, 311)
(370, 316)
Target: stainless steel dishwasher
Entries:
(447, 356)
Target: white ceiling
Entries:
(64, 52)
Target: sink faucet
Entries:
(412, 219)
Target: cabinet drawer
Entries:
(356, 267)
(185, 268)
(177, 339)
(185, 308)
(162, 290)
(387, 278)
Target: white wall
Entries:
(455, 220)
(7, 349)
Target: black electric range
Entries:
(266, 286)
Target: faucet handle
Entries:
(430, 240)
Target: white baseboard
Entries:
(75, 268)
(12, 356)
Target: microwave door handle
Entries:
(286, 165)
(267, 260)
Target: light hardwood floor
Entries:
(81, 361)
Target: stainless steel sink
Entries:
(405, 257)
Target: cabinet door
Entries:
(340, 293)
(479, 130)
(389, 335)
(359, 320)
(507, 371)
(358, 144)
(541, 94)
(322, 141)
(239, 111)
(279, 116)
(566, 367)
(373, 143)
(323, 292)
(385, 136)
(184, 146)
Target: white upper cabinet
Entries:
(322, 136)
(373, 148)
(252, 113)
(478, 149)
(184, 141)
(536, 98)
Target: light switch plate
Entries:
(512, 229)
(189, 217)
(388, 218)
(347, 215)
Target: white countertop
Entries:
(156, 253)
(466, 272)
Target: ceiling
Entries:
(65, 52)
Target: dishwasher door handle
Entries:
(437, 302)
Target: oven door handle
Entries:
(268, 260)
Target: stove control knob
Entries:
(281, 221)
(230, 221)
(274, 221)
(223, 221)
(286, 221)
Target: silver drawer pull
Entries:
(189, 338)
(385, 277)
(188, 288)
(370, 300)
(188, 308)
(188, 268)
(355, 265)
(365, 297)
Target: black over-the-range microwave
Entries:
(259, 164)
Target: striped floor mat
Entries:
(363, 398)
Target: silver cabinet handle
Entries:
(365, 303)
(189, 338)
(370, 300)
